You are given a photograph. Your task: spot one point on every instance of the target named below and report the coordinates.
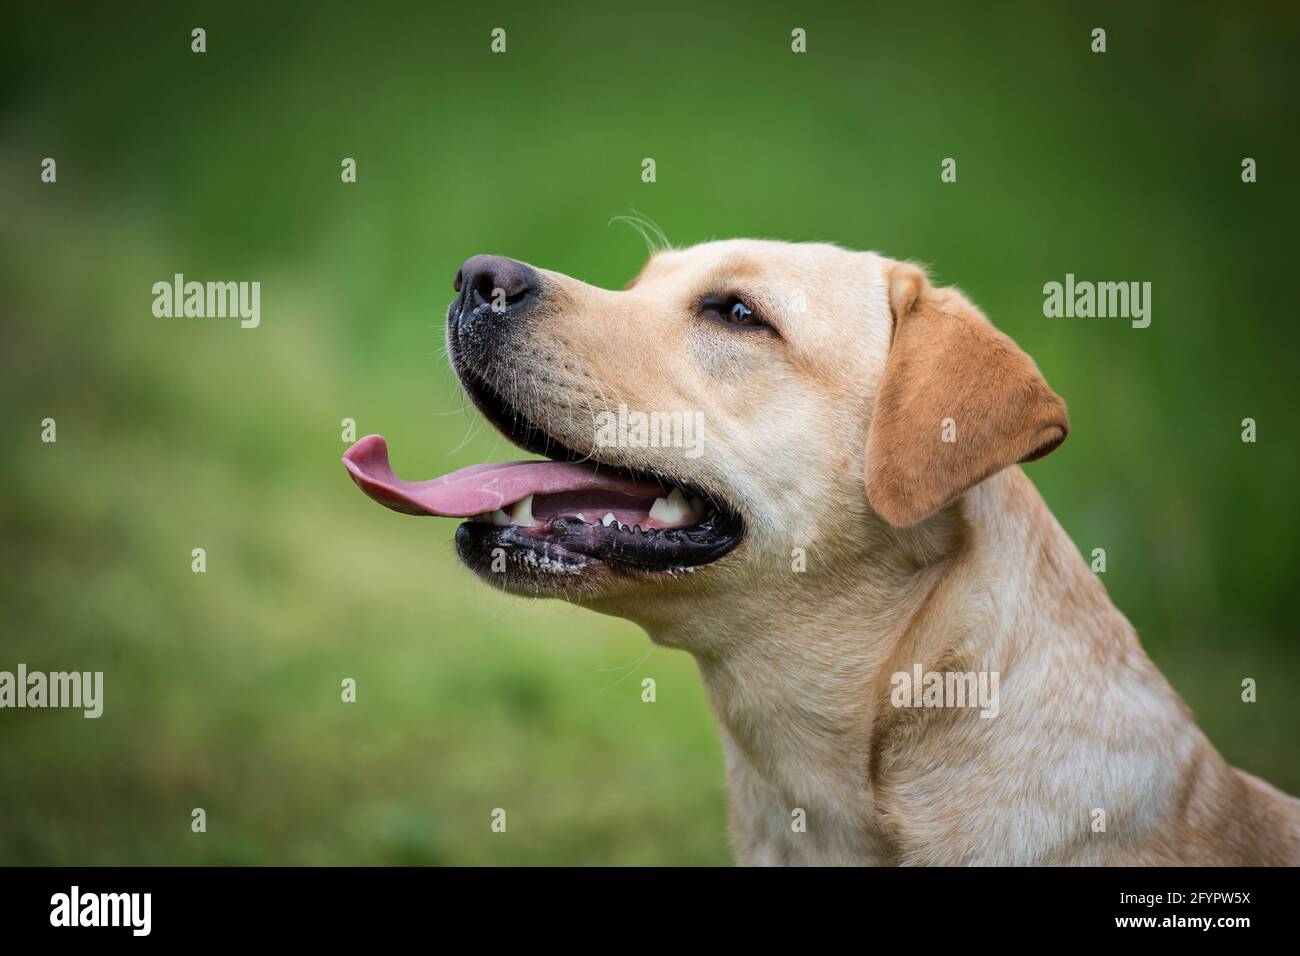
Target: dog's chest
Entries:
(794, 813)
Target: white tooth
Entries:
(522, 512)
(672, 509)
(581, 516)
(498, 517)
(608, 519)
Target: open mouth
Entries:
(559, 515)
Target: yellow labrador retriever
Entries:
(800, 464)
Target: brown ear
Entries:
(958, 402)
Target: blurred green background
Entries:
(222, 689)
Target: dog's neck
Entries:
(799, 673)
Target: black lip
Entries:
(572, 542)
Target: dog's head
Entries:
(739, 404)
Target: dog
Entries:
(855, 519)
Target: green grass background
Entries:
(222, 689)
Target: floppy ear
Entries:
(958, 402)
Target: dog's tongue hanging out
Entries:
(521, 492)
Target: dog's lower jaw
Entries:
(525, 571)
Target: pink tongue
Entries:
(478, 488)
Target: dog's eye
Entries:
(731, 311)
(740, 314)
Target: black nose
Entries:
(501, 282)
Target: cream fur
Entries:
(951, 569)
